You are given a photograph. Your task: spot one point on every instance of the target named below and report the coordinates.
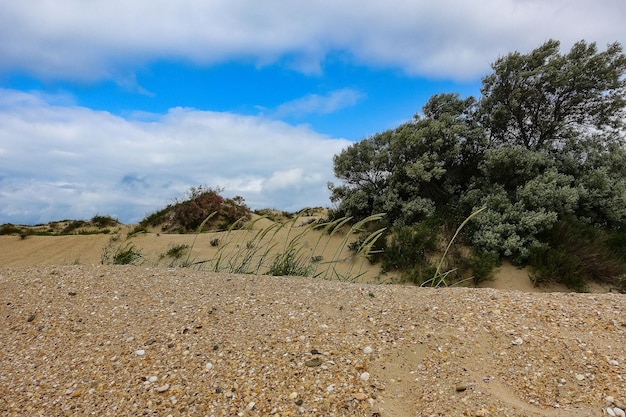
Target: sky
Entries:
(116, 108)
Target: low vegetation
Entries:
(188, 213)
(97, 225)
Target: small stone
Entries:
(162, 388)
(299, 402)
(481, 413)
(208, 366)
(30, 318)
(609, 400)
(610, 412)
(518, 341)
(360, 396)
(461, 387)
(330, 388)
(251, 405)
(613, 362)
(619, 405)
(619, 412)
(152, 379)
(150, 342)
(315, 352)
(313, 362)
(365, 376)
(367, 350)
(580, 377)
(140, 352)
(293, 395)
(71, 293)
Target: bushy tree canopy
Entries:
(545, 141)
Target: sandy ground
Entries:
(128, 340)
(80, 338)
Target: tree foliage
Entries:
(544, 142)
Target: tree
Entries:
(543, 99)
(545, 142)
(408, 171)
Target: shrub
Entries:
(176, 251)
(72, 226)
(104, 221)
(575, 253)
(201, 203)
(482, 265)
(9, 229)
(410, 245)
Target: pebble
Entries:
(152, 379)
(580, 377)
(368, 350)
(293, 395)
(162, 388)
(518, 341)
(361, 396)
(615, 412)
(365, 376)
(140, 352)
(208, 366)
(313, 362)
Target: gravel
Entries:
(119, 340)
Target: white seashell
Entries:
(610, 412)
(619, 412)
(162, 388)
(365, 376)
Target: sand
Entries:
(127, 340)
(80, 338)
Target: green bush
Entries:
(103, 221)
(576, 253)
(482, 265)
(409, 246)
(9, 229)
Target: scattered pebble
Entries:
(365, 376)
(140, 352)
(368, 350)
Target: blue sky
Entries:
(115, 108)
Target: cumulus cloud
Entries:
(63, 161)
(106, 38)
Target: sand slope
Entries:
(123, 340)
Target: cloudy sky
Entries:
(117, 107)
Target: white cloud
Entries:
(447, 38)
(60, 161)
(319, 104)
